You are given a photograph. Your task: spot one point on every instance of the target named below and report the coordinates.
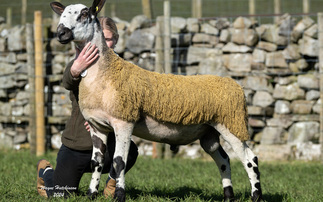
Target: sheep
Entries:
(119, 96)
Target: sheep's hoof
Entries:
(91, 195)
(257, 196)
(228, 194)
(120, 194)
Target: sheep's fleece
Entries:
(171, 98)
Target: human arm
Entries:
(82, 61)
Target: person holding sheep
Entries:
(74, 156)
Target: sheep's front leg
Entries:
(123, 131)
(99, 141)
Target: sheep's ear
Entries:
(96, 7)
(57, 7)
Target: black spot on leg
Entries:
(95, 162)
(120, 165)
(223, 153)
(255, 159)
(223, 168)
(256, 170)
(249, 165)
(98, 143)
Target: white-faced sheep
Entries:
(118, 95)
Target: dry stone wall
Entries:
(277, 64)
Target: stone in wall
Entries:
(234, 48)
(273, 135)
(309, 46)
(138, 22)
(257, 83)
(302, 106)
(140, 40)
(262, 99)
(271, 34)
(312, 31)
(238, 62)
(242, 23)
(225, 36)
(203, 38)
(308, 81)
(291, 52)
(284, 122)
(247, 37)
(16, 38)
(276, 59)
(209, 29)
(267, 46)
(213, 64)
(317, 107)
(286, 24)
(301, 132)
(192, 25)
(259, 56)
(312, 95)
(282, 107)
(196, 54)
(220, 23)
(178, 24)
(301, 26)
(288, 92)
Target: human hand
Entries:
(87, 126)
(84, 59)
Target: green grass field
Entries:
(172, 180)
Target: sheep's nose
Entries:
(64, 34)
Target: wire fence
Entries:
(127, 9)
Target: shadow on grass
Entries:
(183, 193)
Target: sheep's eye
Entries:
(83, 15)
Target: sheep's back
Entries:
(180, 99)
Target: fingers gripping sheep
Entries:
(118, 96)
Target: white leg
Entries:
(248, 159)
(123, 131)
(99, 141)
(210, 144)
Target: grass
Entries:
(172, 180)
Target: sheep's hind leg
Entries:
(210, 144)
(123, 131)
(248, 159)
(99, 141)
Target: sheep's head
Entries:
(76, 21)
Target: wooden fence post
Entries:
(147, 8)
(252, 9)
(277, 9)
(39, 84)
(23, 11)
(31, 82)
(320, 39)
(9, 16)
(167, 37)
(196, 8)
(306, 6)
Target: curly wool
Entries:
(176, 99)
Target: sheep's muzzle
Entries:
(64, 34)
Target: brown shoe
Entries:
(110, 188)
(42, 164)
